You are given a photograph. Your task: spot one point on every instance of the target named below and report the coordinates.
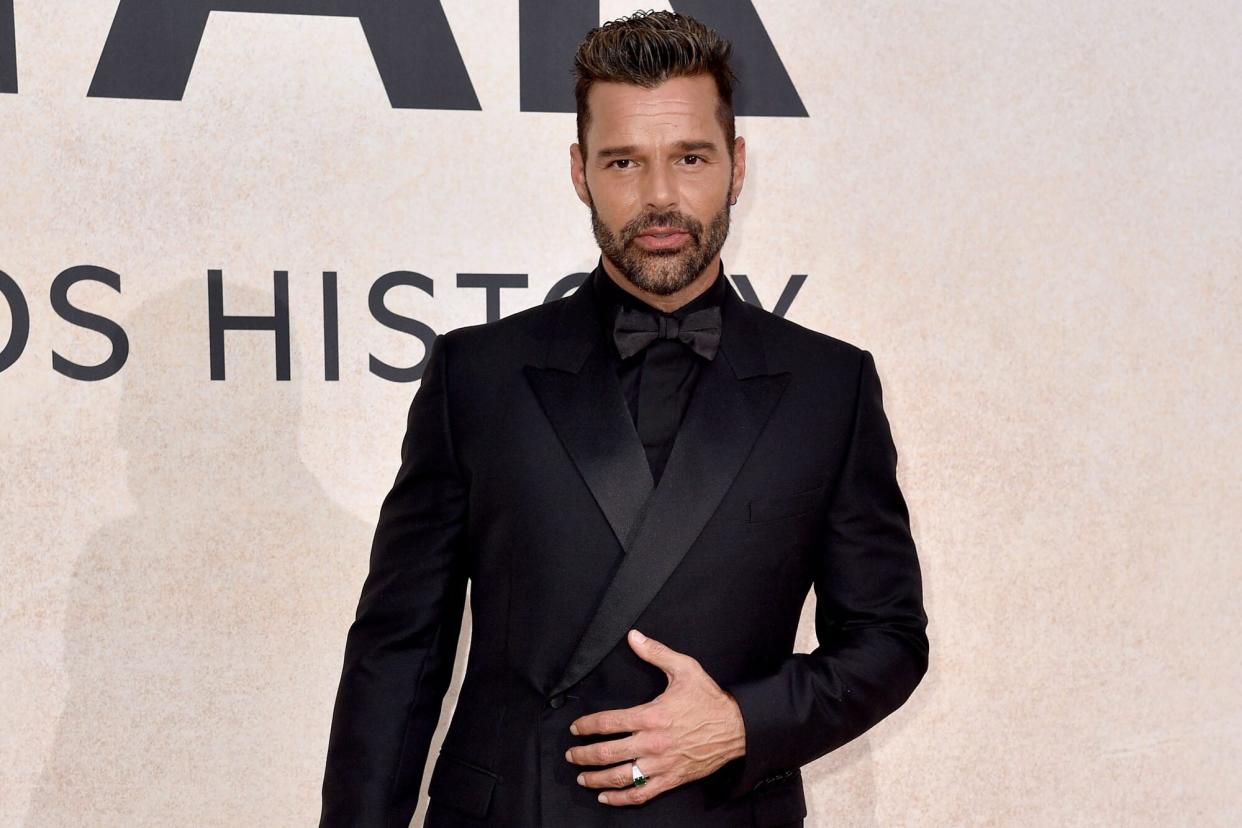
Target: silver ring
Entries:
(639, 777)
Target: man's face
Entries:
(658, 179)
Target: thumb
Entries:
(653, 652)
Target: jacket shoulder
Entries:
(520, 336)
(790, 344)
(515, 324)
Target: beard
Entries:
(662, 272)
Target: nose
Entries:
(659, 192)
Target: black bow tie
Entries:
(635, 329)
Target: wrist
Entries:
(739, 748)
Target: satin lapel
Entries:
(582, 398)
(731, 403)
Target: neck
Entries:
(666, 302)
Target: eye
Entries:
(620, 161)
(696, 157)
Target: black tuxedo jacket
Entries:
(521, 473)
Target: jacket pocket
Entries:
(462, 785)
(773, 507)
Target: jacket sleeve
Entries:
(869, 618)
(400, 649)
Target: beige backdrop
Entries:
(1029, 212)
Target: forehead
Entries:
(678, 109)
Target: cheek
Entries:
(621, 200)
(705, 211)
(710, 193)
(615, 207)
(705, 196)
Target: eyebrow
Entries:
(630, 149)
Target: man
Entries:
(648, 454)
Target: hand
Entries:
(683, 734)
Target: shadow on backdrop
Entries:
(205, 632)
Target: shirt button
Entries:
(556, 701)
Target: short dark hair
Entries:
(648, 48)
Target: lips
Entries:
(659, 238)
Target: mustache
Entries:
(669, 219)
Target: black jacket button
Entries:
(556, 701)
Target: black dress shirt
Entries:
(672, 367)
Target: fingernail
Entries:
(569, 756)
(641, 638)
(581, 779)
(573, 728)
(602, 799)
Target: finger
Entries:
(622, 720)
(661, 655)
(638, 794)
(622, 776)
(606, 753)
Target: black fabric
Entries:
(636, 329)
(523, 481)
(658, 380)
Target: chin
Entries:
(663, 283)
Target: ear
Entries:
(739, 168)
(577, 172)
